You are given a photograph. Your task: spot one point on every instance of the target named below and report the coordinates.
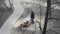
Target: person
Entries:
(25, 24)
(32, 17)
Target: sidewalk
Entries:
(5, 29)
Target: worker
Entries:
(32, 17)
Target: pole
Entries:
(49, 10)
(46, 17)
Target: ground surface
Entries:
(32, 29)
(4, 14)
(53, 26)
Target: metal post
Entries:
(49, 10)
(46, 18)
